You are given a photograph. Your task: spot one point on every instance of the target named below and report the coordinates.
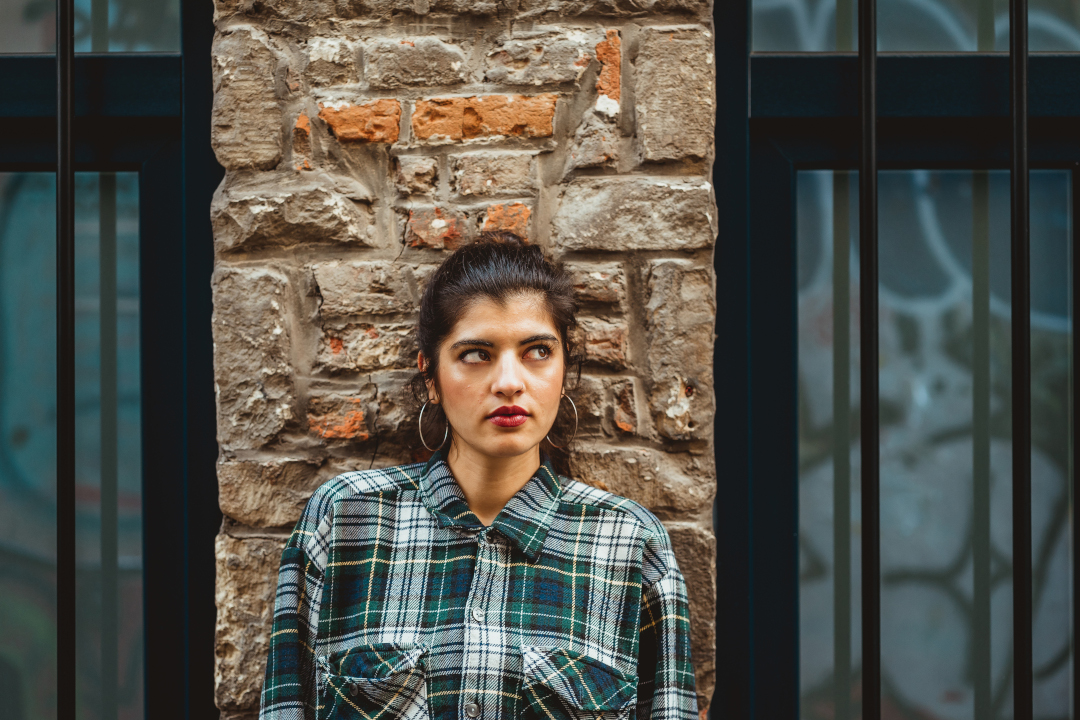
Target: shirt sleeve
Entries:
(666, 688)
(289, 688)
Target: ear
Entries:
(433, 395)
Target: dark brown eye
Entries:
(473, 356)
(538, 352)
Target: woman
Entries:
(481, 584)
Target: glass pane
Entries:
(829, 458)
(28, 678)
(945, 442)
(108, 480)
(912, 25)
(108, 489)
(29, 26)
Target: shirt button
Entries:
(472, 710)
(478, 614)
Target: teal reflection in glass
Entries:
(29, 26)
(28, 679)
(912, 25)
(109, 639)
(945, 399)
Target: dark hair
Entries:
(497, 266)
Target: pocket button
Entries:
(472, 710)
(478, 614)
(353, 690)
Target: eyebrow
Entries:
(488, 343)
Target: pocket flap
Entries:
(376, 661)
(580, 681)
(379, 680)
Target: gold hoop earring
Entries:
(574, 435)
(420, 425)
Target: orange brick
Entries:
(514, 218)
(343, 421)
(607, 52)
(463, 118)
(376, 121)
(302, 143)
(436, 228)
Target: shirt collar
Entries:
(525, 518)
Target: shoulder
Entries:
(578, 493)
(657, 555)
(353, 485)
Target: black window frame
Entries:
(150, 113)
(779, 113)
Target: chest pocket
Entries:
(381, 681)
(563, 685)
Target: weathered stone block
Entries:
(607, 406)
(370, 288)
(513, 217)
(419, 61)
(604, 342)
(669, 484)
(339, 417)
(364, 347)
(436, 228)
(618, 8)
(375, 121)
(285, 214)
(695, 552)
(484, 174)
(625, 409)
(634, 213)
(267, 493)
(452, 119)
(595, 144)
(331, 61)
(680, 313)
(542, 57)
(252, 373)
(599, 282)
(675, 93)
(294, 10)
(416, 174)
(384, 9)
(247, 118)
(244, 595)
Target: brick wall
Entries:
(362, 139)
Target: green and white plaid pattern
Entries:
(394, 601)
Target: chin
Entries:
(509, 446)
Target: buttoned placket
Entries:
(487, 593)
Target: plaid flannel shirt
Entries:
(394, 601)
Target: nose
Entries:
(509, 376)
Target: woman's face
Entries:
(500, 375)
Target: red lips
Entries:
(508, 416)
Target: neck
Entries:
(488, 482)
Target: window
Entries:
(788, 363)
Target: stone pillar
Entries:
(362, 140)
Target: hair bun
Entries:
(501, 237)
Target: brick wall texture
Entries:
(364, 139)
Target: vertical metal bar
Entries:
(110, 576)
(1075, 445)
(1021, 364)
(65, 360)
(981, 623)
(868, 363)
(841, 447)
(980, 416)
